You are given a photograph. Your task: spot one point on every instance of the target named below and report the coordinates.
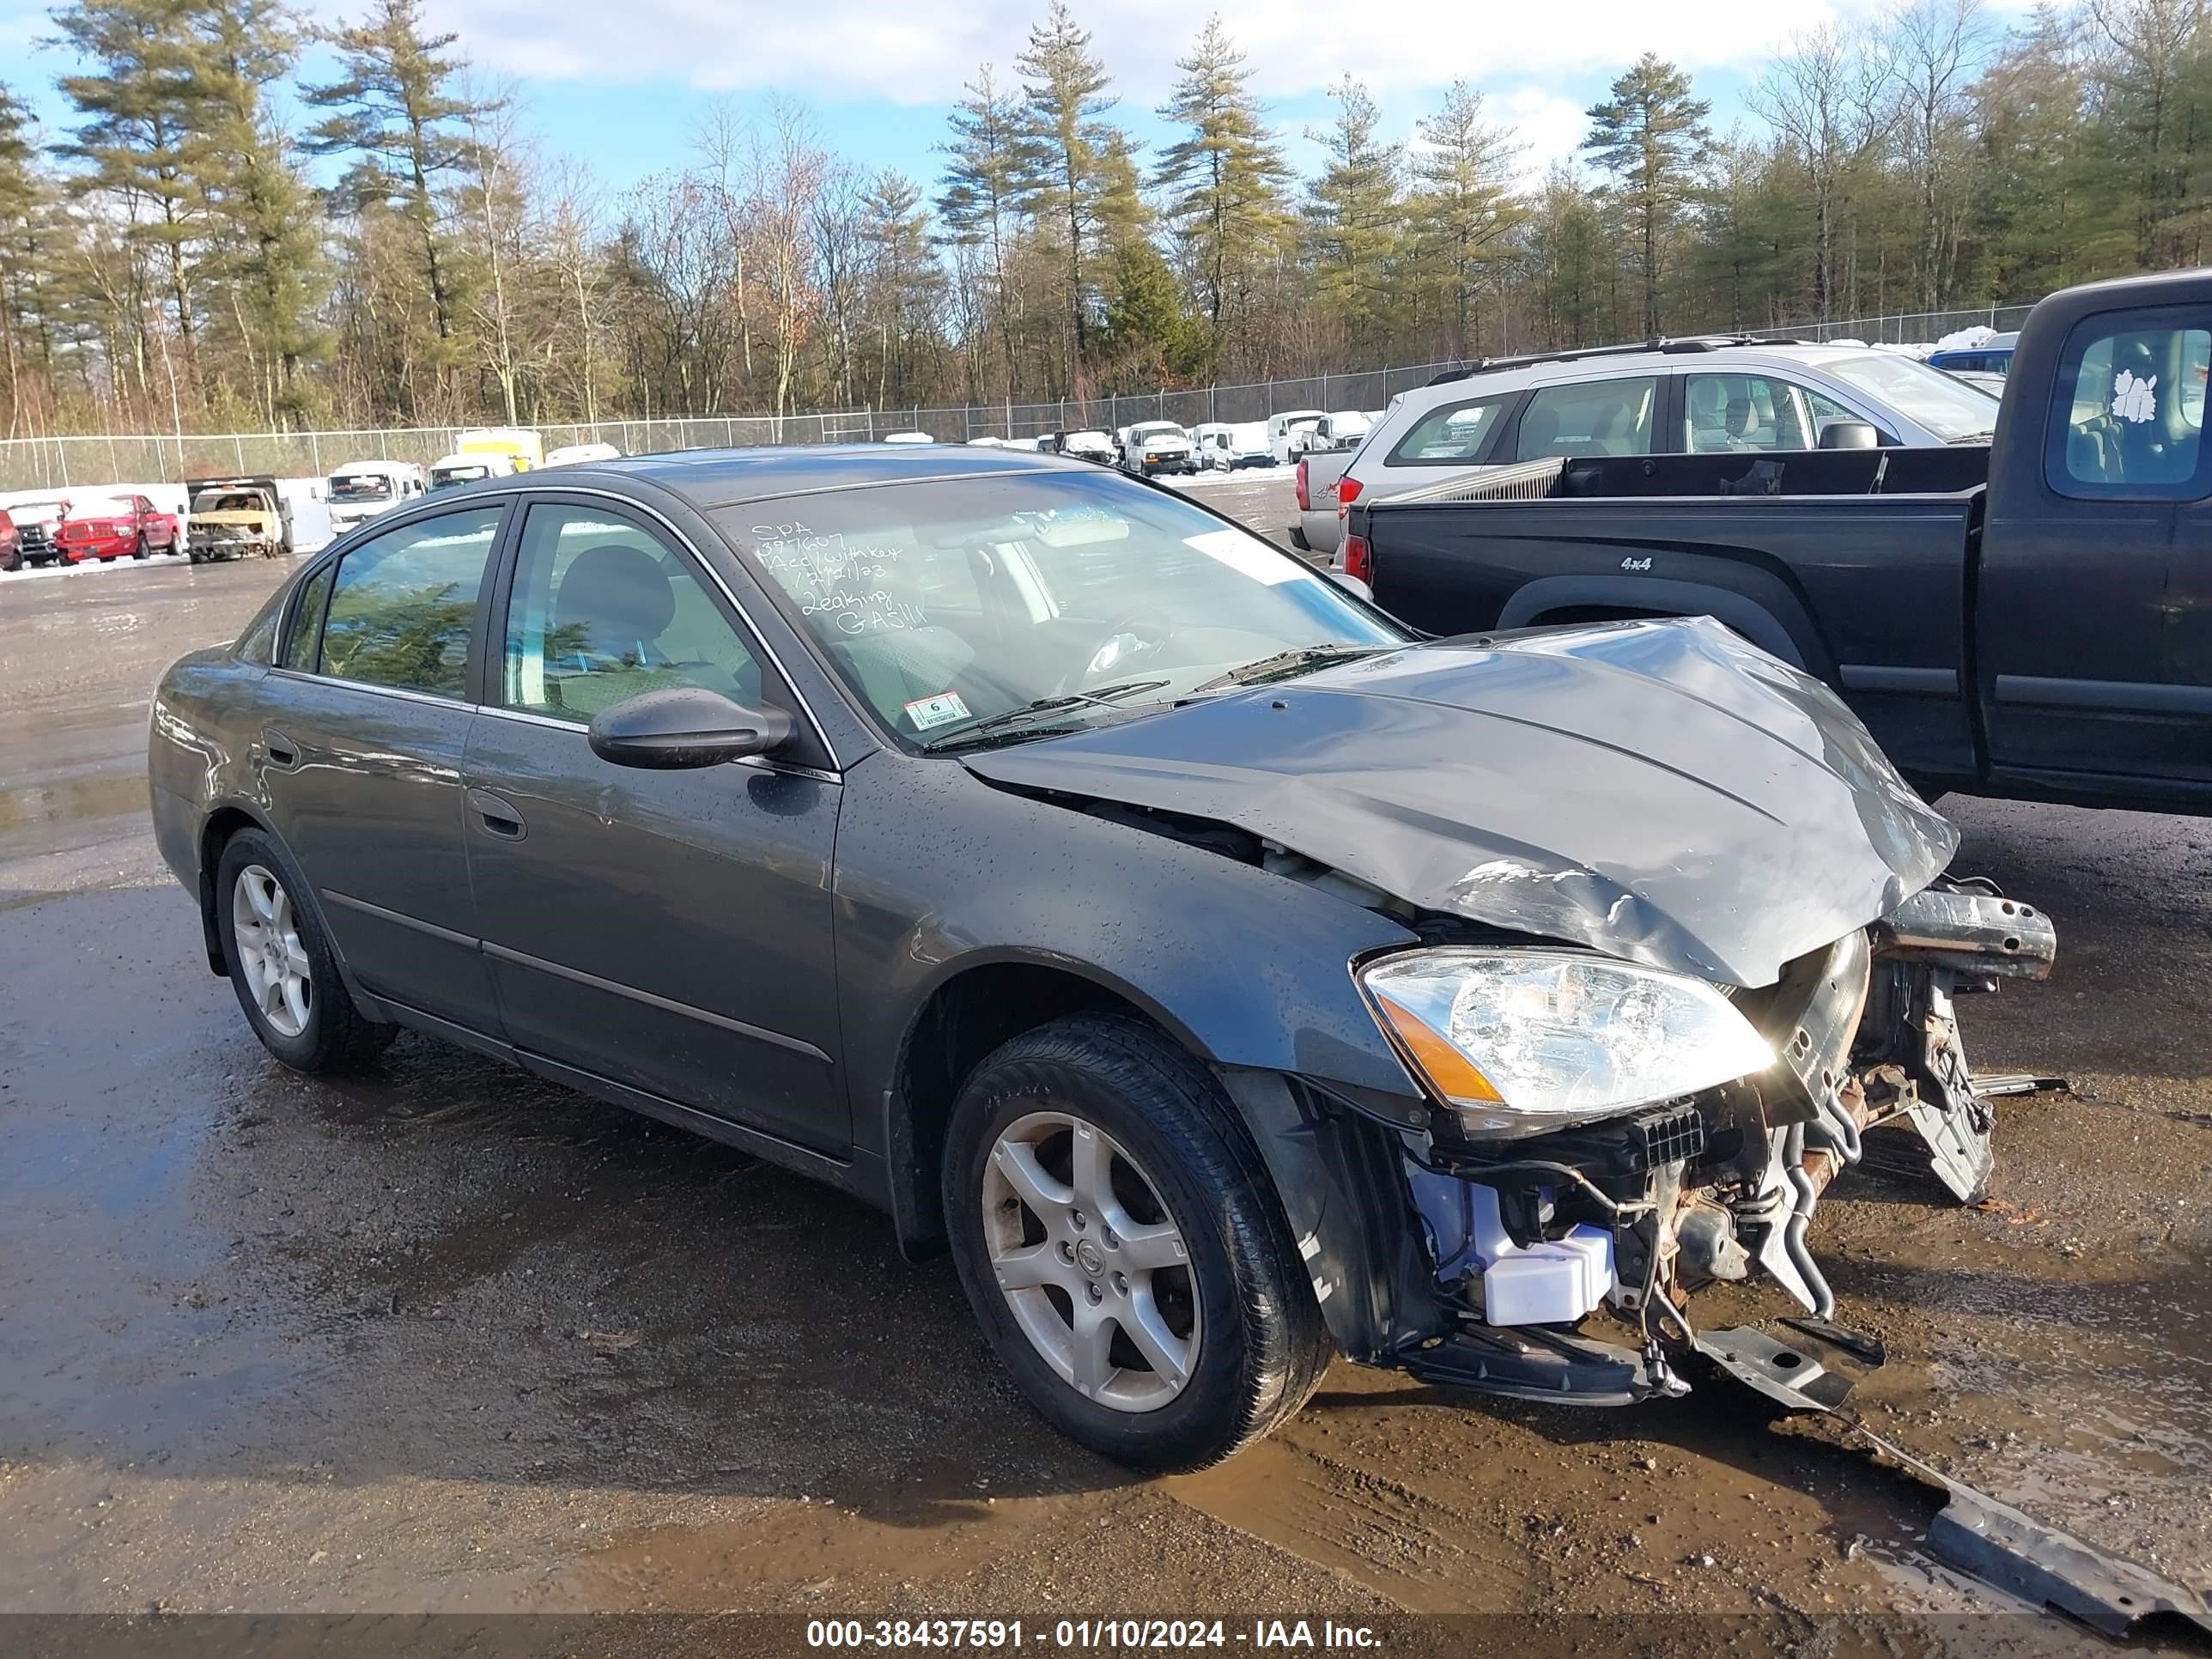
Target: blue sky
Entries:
(625, 87)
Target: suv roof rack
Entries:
(1658, 343)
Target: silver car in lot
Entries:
(1683, 397)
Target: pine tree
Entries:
(1652, 137)
(1224, 177)
(1150, 339)
(1353, 214)
(903, 284)
(22, 198)
(269, 233)
(138, 142)
(979, 196)
(1069, 151)
(394, 111)
(1465, 207)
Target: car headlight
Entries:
(1518, 1042)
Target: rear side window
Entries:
(1457, 433)
(404, 603)
(1596, 417)
(2129, 420)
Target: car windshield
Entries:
(361, 487)
(458, 474)
(118, 506)
(1167, 429)
(27, 512)
(1954, 411)
(1050, 598)
(232, 502)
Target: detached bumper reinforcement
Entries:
(1973, 1532)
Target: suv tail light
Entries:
(1359, 559)
(1304, 505)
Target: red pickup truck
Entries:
(118, 526)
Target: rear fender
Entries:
(1773, 621)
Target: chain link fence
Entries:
(150, 458)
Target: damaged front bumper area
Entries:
(1563, 1262)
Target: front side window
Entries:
(1596, 417)
(403, 603)
(1045, 597)
(1457, 433)
(602, 610)
(2130, 415)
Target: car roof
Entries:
(721, 477)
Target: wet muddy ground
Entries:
(449, 1338)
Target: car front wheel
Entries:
(281, 963)
(1122, 1247)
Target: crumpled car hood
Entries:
(1661, 791)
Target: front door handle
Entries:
(283, 752)
(497, 816)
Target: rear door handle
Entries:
(282, 753)
(497, 816)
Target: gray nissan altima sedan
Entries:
(1223, 976)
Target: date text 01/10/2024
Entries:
(1087, 1634)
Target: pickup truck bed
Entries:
(2052, 655)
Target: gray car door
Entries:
(669, 931)
(360, 757)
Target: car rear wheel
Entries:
(281, 963)
(1118, 1237)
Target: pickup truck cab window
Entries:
(601, 611)
(1591, 417)
(2130, 416)
(403, 604)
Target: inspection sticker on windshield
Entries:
(926, 712)
(1245, 555)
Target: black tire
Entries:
(1263, 1346)
(138, 548)
(335, 1037)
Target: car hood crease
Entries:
(1660, 791)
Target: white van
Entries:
(469, 467)
(359, 490)
(581, 454)
(1289, 432)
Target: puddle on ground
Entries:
(72, 800)
(842, 1552)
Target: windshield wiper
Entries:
(1288, 662)
(1105, 696)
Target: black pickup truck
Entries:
(2033, 618)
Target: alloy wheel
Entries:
(1092, 1265)
(269, 953)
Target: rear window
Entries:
(1456, 433)
(2130, 417)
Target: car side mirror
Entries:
(1351, 585)
(685, 726)
(1849, 435)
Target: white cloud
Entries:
(832, 50)
(1550, 128)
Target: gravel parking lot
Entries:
(450, 1338)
